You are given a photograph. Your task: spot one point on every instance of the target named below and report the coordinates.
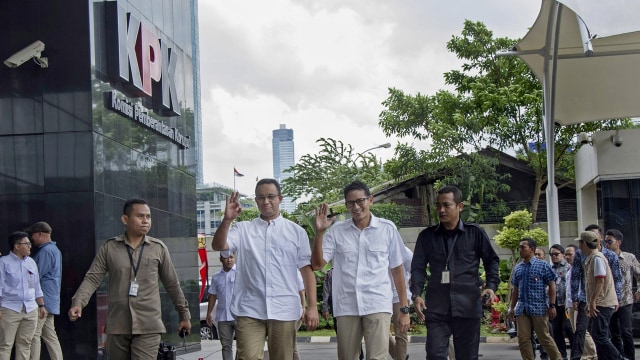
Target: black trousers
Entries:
(582, 322)
(466, 337)
(622, 331)
(561, 328)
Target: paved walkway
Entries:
(211, 349)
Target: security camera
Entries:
(584, 138)
(32, 51)
(616, 139)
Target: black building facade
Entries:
(109, 118)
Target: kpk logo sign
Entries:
(146, 64)
(140, 65)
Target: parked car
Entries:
(206, 332)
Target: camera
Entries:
(616, 139)
(32, 51)
(584, 138)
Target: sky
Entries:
(323, 68)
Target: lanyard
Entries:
(450, 251)
(135, 267)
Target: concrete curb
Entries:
(412, 339)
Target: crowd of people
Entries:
(585, 295)
(367, 287)
(582, 295)
(266, 287)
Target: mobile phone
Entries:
(485, 298)
(331, 214)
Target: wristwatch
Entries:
(414, 296)
(552, 305)
(404, 310)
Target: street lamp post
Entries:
(386, 146)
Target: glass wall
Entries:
(620, 209)
(68, 158)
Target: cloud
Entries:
(323, 69)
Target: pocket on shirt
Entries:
(13, 278)
(469, 255)
(149, 268)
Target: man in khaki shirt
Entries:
(134, 262)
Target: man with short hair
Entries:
(134, 262)
(270, 250)
(453, 299)
(578, 290)
(540, 254)
(21, 298)
(221, 290)
(600, 295)
(363, 249)
(49, 261)
(621, 325)
(529, 307)
(560, 325)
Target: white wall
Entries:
(603, 160)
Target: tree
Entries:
(495, 101)
(321, 177)
(517, 226)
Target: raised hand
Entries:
(323, 222)
(232, 207)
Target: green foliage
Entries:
(505, 268)
(540, 236)
(321, 177)
(520, 219)
(503, 289)
(517, 225)
(390, 211)
(248, 214)
(494, 101)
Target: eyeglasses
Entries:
(360, 202)
(608, 242)
(554, 253)
(25, 243)
(262, 198)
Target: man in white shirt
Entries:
(221, 290)
(21, 298)
(270, 250)
(363, 249)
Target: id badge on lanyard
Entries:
(133, 288)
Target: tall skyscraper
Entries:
(283, 158)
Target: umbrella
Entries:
(586, 54)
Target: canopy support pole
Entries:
(548, 89)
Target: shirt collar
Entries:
(460, 226)
(275, 221)
(561, 263)
(15, 257)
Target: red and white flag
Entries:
(237, 173)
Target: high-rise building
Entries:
(283, 158)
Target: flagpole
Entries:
(234, 179)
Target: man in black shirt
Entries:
(453, 299)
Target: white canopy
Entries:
(601, 86)
(586, 53)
